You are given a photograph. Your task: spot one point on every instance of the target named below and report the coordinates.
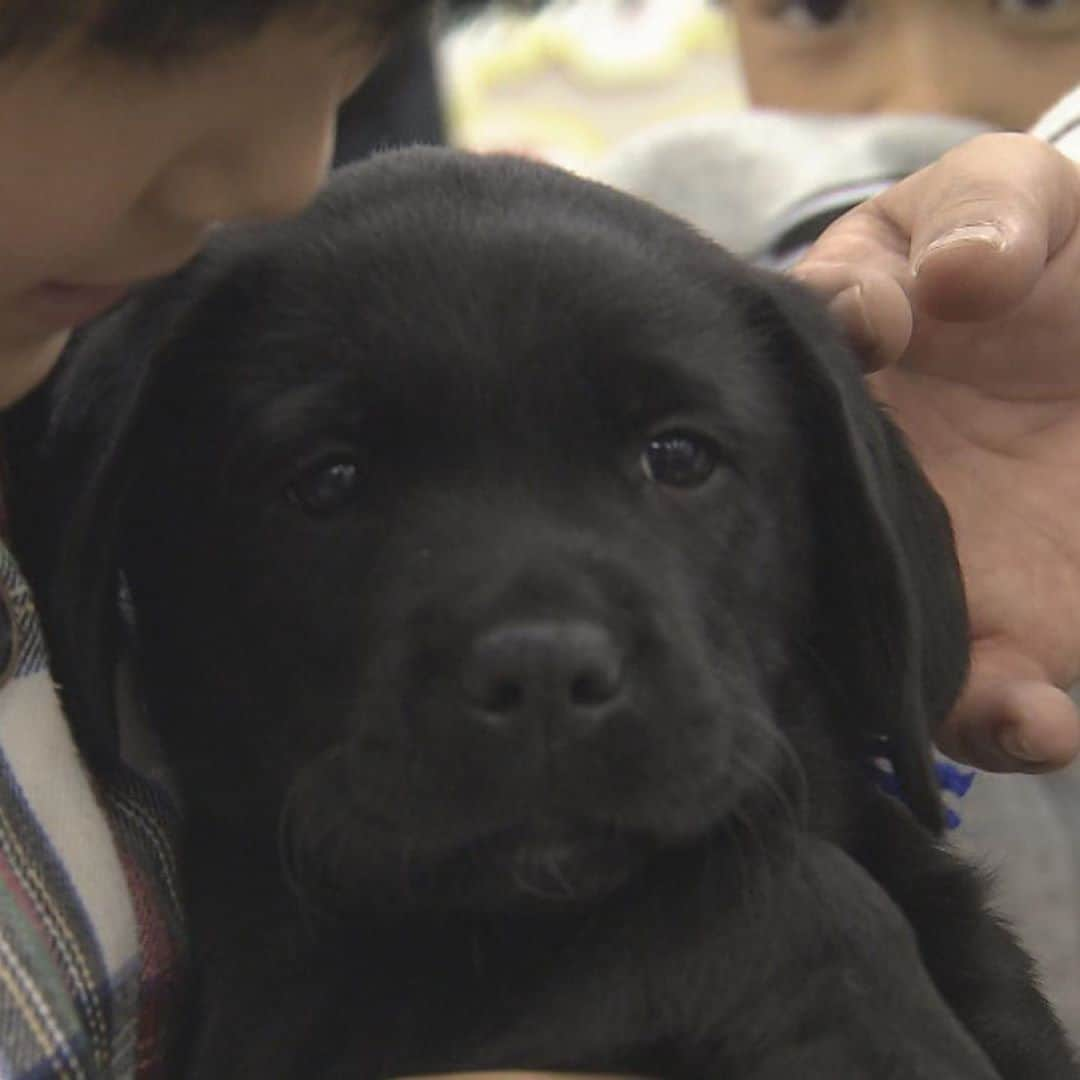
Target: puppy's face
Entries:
(471, 539)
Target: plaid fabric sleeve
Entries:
(91, 940)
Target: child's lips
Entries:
(67, 304)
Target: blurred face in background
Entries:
(1000, 61)
(113, 172)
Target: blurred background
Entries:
(575, 80)
(566, 83)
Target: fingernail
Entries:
(849, 309)
(1015, 745)
(987, 232)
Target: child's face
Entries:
(1001, 61)
(112, 174)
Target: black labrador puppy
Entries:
(521, 587)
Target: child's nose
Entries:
(253, 176)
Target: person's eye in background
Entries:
(813, 15)
(1036, 16)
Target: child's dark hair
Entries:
(162, 30)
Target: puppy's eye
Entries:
(680, 459)
(326, 488)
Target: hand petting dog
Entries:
(960, 287)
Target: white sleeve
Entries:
(1061, 125)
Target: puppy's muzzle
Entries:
(549, 680)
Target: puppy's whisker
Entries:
(309, 844)
(797, 802)
(780, 786)
(410, 777)
(837, 687)
(405, 864)
(737, 830)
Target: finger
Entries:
(1011, 719)
(964, 239)
(983, 223)
(870, 306)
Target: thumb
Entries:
(984, 222)
(1010, 717)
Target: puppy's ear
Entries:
(894, 635)
(74, 454)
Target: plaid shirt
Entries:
(91, 937)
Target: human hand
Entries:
(960, 288)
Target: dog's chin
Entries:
(539, 867)
(550, 865)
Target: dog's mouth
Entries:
(529, 868)
(549, 864)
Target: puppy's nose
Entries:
(562, 677)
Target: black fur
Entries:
(519, 585)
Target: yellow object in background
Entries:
(569, 83)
